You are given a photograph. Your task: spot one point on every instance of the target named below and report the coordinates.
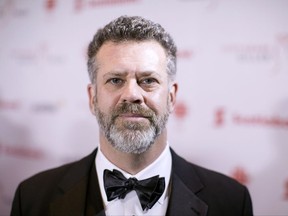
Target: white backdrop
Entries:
(232, 110)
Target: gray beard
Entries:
(131, 137)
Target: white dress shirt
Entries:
(130, 205)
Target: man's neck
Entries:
(133, 163)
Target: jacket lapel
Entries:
(94, 203)
(79, 194)
(185, 184)
(71, 202)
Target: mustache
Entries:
(137, 109)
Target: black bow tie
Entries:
(148, 190)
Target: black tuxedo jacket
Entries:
(72, 190)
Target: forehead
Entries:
(131, 56)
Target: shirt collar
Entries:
(161, 166)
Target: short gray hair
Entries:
(132, 28)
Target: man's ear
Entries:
(172, 96)
(91, 89)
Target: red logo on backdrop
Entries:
(219, 117)
(181, 110)
(274, 121)
(240, 175)
(50, 5)
(21, 151)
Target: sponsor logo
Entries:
(181, 110)
(221, 118)
(219, 115)
(21, 151)
(251, 52)
(240, 175)
(45, 107)
(50, 5)
(274, 54)
(273, 121)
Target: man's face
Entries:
(132, 97)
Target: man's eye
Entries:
(115, 81)
(148, 81)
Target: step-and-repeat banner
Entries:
(232, 108)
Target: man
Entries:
(132, 68)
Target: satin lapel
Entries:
(185, 186)
(183, 201)
(73, 199)
(94, 203)
(72, 202)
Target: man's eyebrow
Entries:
(115, 74)
(148, 73)
(124, 74)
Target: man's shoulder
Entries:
(223, 194)
(210, 178)
(216, 179)
(55, 175)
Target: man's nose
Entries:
(132, 93)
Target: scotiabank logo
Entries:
(274, 121)
(221, 118)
